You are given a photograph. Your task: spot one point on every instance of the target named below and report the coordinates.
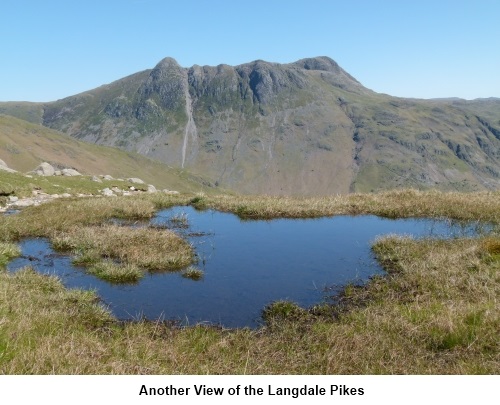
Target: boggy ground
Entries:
(435, 312)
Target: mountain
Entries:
(304, 128)
(23, 146)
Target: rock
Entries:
(171, 192)
(135, 180)
(57, 173)
(8, 170)
(107, 192)
(70, 172)
(116, 190)
(96, 179)
(5, 168)
(107, 177)
(131, 188)
(55, 196)
(45, 169)
(151, 189)
(13, 198)
(29, 176)
(24, 203)
(65, 195)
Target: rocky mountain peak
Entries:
(166, 64)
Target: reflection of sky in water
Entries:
(247, 265)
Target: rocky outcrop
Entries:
(70, 172)
(135, 180)
(45, 169)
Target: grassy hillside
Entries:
(23, 146)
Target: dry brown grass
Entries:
(436, 312)
(59, 215)
(152, 249)
(483, 206)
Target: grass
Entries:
(116, 273)
(193, 273)
(481, 206)
(48, 219)
(151, 249)
(435, 312)
(8, 251)
(24, 145)
(22, 186)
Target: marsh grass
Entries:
(193, 273)
(435, 312)
(8, 251)
(151, 249)
(116, 272)
(482, 207)
(59, 215)
(430, 315)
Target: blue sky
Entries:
(56, 48)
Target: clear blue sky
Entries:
(51, 49)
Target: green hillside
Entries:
(23, 146)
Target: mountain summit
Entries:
(301, 128)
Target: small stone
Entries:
(151, 189)
(57, 173)
(107, 177)
(13, 198)
(65, 195)
(107, 192)
(96, 179)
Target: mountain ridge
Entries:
(301, 128)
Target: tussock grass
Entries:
(8, 251)
(193, 273)
(116, 273)
(483, 206)
(152, 249)
(59, 215)
(436, 311)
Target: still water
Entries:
(247, 265)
